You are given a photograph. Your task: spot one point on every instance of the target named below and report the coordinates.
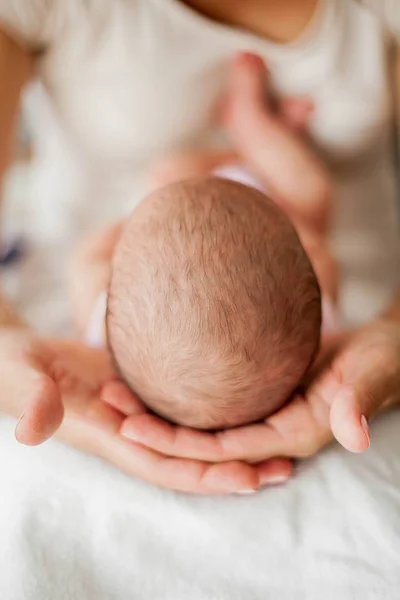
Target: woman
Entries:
(127, 90)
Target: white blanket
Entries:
(73, 527)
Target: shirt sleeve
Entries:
(35, 23)
(388, 11)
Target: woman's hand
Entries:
(356, 376)
(61, 387)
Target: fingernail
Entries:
(247, 492)
(274, 479)
(365, 426)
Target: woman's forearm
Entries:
(16, 66)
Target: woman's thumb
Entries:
(43, 412)
(348, 420)
(368, 372)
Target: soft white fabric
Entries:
(74, 528)
(240, 174)
(96, 329)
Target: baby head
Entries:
(214, 310)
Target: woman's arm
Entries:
(16, 67)
(23, 358)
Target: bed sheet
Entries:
(72, 527)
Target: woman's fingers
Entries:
(275, 471)
(291, 432)
(173, 440)
(200, 477)
(193, 476)
(116, 394)
(93, 425)
(96, 427)
(242, 443)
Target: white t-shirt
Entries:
(130, 80)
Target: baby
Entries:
(213, 309)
